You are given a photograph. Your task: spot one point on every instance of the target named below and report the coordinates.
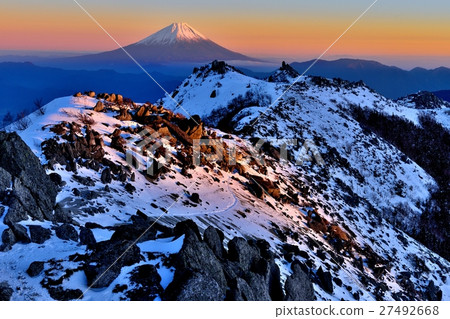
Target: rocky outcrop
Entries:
(124, 115)
(197, 266)
(79, 147)
(205, 270)
(6, 291)
(32, 193)
(8, 239)
(112, 98)
(103, 265)
(423, 100)
(99, 107)
(284, 74)
(325, 280)
(106, 177)
(16, 233)
(117, 141)
(39, 234)
(147, 282)
(35, 268)
(87, 237)
(64, 294)
(66, 232)
(298, 286)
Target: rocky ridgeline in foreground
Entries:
(208, 266)
(24, 187)
(205, 269)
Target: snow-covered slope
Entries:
(322, 110)
(175, 32)
(212, 88)
(413, 105)
(315, 109)
(326, 218)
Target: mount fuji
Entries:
(177, 43)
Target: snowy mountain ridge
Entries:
(321, 110)
(337, 224)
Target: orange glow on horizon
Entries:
(308, 36)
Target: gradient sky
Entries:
(403, 32)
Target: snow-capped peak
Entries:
(176, 32)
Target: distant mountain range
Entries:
(390, 81)
(170, 55)
(22, 83)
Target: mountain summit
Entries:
(176, 32)
(177, 43)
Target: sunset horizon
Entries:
(298, 31)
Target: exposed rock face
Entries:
(87, 146)
(106, 177)
(196, 266)
(214, 238)
(57, 179)
(87, 237)
(124, 115)
(33, 193)
(8, 239)
(104, 264)
(195, 286)
(20, 233)
(5, 180)
(66, 232)
(147, 280)
(117, 141)
(6, 291)
(298, 286)
(99, 107)
(193, 127)
(325, 280)
(206, 271)
(64, 294)
(284, 74)
(139, 228)
(433, 293)
(35, 268)
(241, 252)
(39, 234)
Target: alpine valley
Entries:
(302, 189)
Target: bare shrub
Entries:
(85, 118)
(7, 119)
(22, 121)
(68, 112)
(39, 106)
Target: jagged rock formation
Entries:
(284, 74)
(204, 268)
(423, 101)
(31, 192)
